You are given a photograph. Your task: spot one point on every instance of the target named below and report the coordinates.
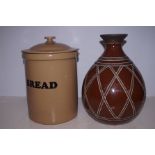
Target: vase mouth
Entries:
(113, 38)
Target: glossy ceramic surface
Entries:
(51, 78)
(113, 89)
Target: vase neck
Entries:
(113, 45)
(113, 50)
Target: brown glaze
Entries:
(113, 90)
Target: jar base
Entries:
(43, 122)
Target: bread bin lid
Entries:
(58, 50)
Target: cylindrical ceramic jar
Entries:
(113, 89)
(51, 78)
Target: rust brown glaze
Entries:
(113, 90)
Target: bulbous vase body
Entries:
(113, 90)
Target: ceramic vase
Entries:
(113, 90)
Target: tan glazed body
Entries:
(51, 78)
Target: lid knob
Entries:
(49, 39)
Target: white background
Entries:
(140, 47)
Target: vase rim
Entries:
(108, 38)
